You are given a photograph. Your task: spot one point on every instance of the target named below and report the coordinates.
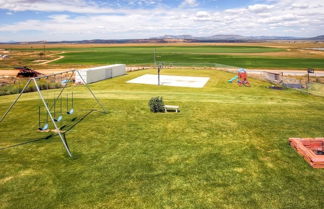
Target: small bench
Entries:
(171, 107)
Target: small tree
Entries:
(156, 104)
(41, 54)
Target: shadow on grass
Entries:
(66, 127)
(76, 121)
(27, 142)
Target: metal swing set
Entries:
(55, 117)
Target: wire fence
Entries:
(315, 89)
(311, 84)
(14, 85)
(183, 64)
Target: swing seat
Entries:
(70, 112)
(44, 128)
(59, 118)
(64, 82)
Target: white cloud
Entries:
(279, 17)
(143, 2)
(203, 16)
(189, 3)
(260, 8)
(76, 6)
(300, 6)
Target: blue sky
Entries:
(55, 20)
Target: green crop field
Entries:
(166, 49)
(257, 57)
(227, 148)
(191, 59)
(202, 55)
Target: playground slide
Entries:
(233, 79)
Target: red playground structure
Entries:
(241, 78)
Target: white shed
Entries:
(92, 75)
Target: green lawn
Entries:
(227, 148)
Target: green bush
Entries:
(156, 104)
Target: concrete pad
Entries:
(170, 80)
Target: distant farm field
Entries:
(106, 57)
(255, 56)
(170, 49)
(188, 55)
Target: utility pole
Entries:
(309, 70)
(44, 47)
(159, 69)
(154, 57)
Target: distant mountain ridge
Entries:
(187, 39)
(317, 38)
(238, 37)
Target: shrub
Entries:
(156, 104)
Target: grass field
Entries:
(262, 56)
(227, 148)
(191, 55)
(140, 58)
(167, 49)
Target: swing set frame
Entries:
(47, 107)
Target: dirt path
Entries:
(45, 71)
(49, 61)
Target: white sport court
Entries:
(171, 80)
